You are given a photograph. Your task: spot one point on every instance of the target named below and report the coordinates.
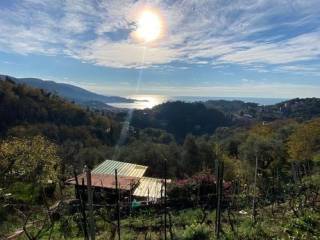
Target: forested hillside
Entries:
(180, 119)
(274, 163)
(234, 106)
(299, 108)
(27, 112)
(67, 91)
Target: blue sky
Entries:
(238, 48)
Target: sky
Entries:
(231, 48)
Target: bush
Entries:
(3, 215)
(196, 232)
(304, 227)
(187, 191)
(25, 192)
(249, 230)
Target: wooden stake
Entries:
(118, 203)
(83, 212)
(90, 202)
(165, 199)
(254, 192)
(219, 183)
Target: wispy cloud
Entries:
(242, 32)
(244, 89)
(301, 48)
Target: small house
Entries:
(132, 183)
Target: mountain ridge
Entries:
(68, 91)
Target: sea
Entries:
(149, 101)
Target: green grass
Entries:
(187, 224)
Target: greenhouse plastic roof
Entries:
(124, 169)
(151, 185)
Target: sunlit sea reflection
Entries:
(149, 101)
(143, 101)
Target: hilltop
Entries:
(298, 108)
(67, 91)
(27, 111)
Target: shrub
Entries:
(249, 230)
(25, 192)
(196, 232)
(188, 190)
(304, 227)
(3, 214)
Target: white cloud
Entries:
(244, 89)
(123, 54)
(300, 48)
(311, 69)
(198, 32)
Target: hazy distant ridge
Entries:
(68, 91)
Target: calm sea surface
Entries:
(149, 101)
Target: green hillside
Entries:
(269, 188)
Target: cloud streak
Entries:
(241, 32)
(244, 89)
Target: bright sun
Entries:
(149, 26)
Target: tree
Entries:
(32, 159)
(303, 146)
(190, 155)
(266, 155)
(304, 143)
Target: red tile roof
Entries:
(106, 181)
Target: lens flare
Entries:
(149, 26)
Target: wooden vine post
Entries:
(90, 203)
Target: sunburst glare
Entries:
(149, 26)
